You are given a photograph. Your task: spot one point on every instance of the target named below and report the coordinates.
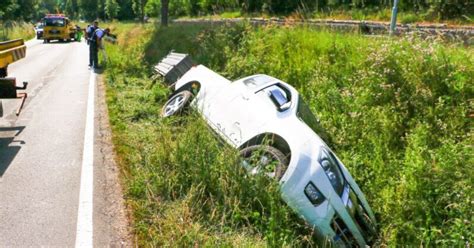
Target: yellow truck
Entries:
(58, 27)
(11, 51)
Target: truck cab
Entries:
(58, 27)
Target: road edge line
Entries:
(84, 231)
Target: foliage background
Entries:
(418, 10)
(397, 111)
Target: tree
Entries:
(111, 8)
(89, 9)
(139, 8)
(164, 12)
(71, 8)
(7, 9)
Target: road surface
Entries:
(58, 182)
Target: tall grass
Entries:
(396, 109)
(16, 30)
(185, 187)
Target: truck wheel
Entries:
(177, 103)
(264, 159)
(3, 72)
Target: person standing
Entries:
(79, 33)
(90, 31)
(95, 42)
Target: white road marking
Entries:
(84, 231)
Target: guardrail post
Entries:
(393, 21)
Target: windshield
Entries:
(54, 22)
(305, 115)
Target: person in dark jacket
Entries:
(90, 31)
(95, 42)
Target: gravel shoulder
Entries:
(111, 218)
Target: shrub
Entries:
(395, 109)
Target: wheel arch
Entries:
(194, 86)
(270, 139)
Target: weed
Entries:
(396, 110)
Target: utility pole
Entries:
(393, 22)
(164, 12)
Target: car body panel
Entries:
(241, 110)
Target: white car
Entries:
(267, 120)
(39, 31)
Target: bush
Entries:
(395, 109)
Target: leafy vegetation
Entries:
(428, 9)
(398, 111)
(16, 30)
(460, 11)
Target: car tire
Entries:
(3, 72)
(177, 103)
(272, 158)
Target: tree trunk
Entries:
(164, 12)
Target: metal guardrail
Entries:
(11, 51)
(459, 33)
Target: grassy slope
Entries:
(16, 31)
(395, 109)
(369, 14)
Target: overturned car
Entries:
(266, 117)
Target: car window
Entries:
(305, 115)
(278, 95)
(54, 22)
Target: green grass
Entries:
(404, 17)
(15, 30)
(396, 110)
(366, 14)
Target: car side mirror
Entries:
(280, 100)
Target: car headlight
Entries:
(313, 194)
(333, 171)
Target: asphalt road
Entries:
(42, 155)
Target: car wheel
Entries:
(3, 72)
(264, 159)
(177, 103)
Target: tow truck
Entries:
(11, 51)
(58, 27)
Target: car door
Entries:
(219, 112)
(236, 113)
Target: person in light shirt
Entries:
(95, 43)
